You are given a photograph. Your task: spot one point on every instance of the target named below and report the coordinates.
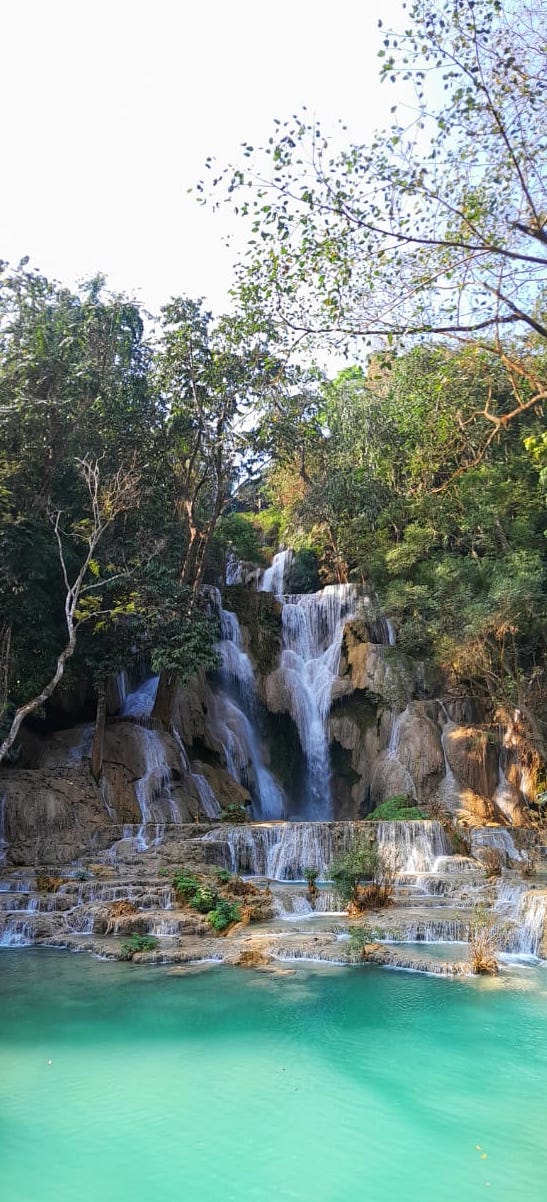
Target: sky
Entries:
(110, 108)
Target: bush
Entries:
(204, 899)
(224, 914)
(359, 937)
(223, 875)
(484, 941)
(137, 943)
(356, 866)
(234, 812)
(185, 883)
(397, 809)
(492, 862)
(311, 875)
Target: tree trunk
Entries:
(165, 698)
(98, 737)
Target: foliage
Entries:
(234, 812)
(396, 809)
(137, 943)
(361, 862)
(484, 941)
(185, 883)
(224, 914)
(311, 875)
(223, 875)
(360, 936)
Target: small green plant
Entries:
(204, 899)
(223, 875)
(311, 875)
(234, 812)
(137, 943)
(224, 914)
(397, 809)
(359, 937)
(185, 883)
(163, 871)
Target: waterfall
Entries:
(236, 726)
(208, 802)
(139, 704)
(153, 789)
(280, 852)
(449, 790)
(526, 910)
(82, 749)
(498, 838)
(313, 627)
(412, 847)
(272, 580)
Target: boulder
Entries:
(473, 758)
(419, 749)
(53, 815)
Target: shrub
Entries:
(185, 883)
(204, 899)
(223, 875)
(359, 937)
(224, 914)
(359, 864)
(137, 943)
(234, 812)
(397, 809)
(311, 875)
(484, 941)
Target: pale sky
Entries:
(110, 108)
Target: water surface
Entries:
(324, 1086)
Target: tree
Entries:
(439, 226)
(106, 502)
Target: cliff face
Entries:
(388, 731)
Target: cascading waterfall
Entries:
(140, 702)
(412, 847)
(499, 839)
(313, 626)
(280, 852)
(236, 725)
(153, 789)
(525, 911)
(208, 802)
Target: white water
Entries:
(498, 838)
(412, 847)
(208, 802)
(153, 789)
(236, 725)
(273, 577)
(140, 702)
(281, 852)
(313, 627)
(526, 910)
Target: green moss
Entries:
(397, 809)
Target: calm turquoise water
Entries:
(327, 1086)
